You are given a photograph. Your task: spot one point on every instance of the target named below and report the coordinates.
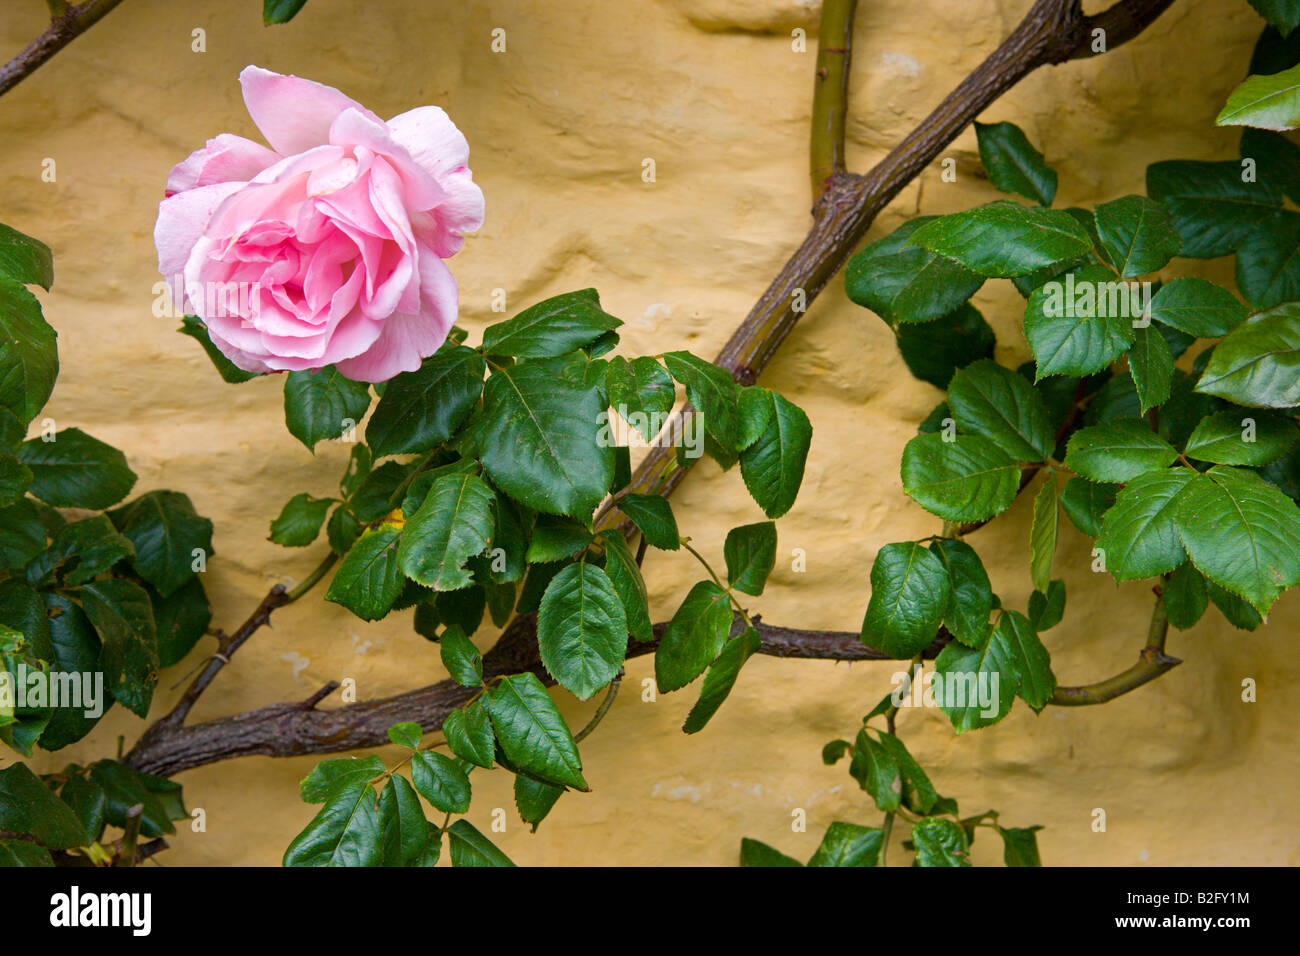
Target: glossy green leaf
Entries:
(653, 515)
(29, 353)
(1152, 364)
(531, 732)
(1004, 238)
(1080, 324)
(28, 806)
(1046, 608)
(121, 614)
(1020, 846)
(535, 799)
(461, 658)
(1035, 682)
(750, 553)
(713, 392)
(1265, 102)
(424, 408)
(933, 351)
(1139, 535)
(335, 774)
(369, 580)
(1042, 535)
(323, 405)
(469, 847)
(967, 479)
(1013, 164)
(970, 600)
(993, 401)
(1198, 307)
(440, 780)
(1137, 235)
(1086, 502)
(1185, 596)
(1258, 364)
(720, 678)
(909, 593)
(1241, 437)
(75, 470)
(1268, 270)
(756, 853)
(347, 831)
(848, 844)
(694, 637)
(979, 684)
(940, 842)
(167, 534)
(280, 11)
(469, 734)
(300, 521)
(876, 772)
(406, 831)
(582, 629)
(904, 283)
(537, 438)
(452, 525)
(625, 576)
(1117, 451)
(1212, 209)
(773, 466)
(641, 391)
(24, 259)
(556, 326)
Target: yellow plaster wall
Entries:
(559, 126)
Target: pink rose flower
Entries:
(327, 248)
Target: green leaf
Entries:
(557, 326)
(1241, 438)
(626, 578)
(531, 732)
(342, 530)
(1212, 209)
(469, 847)
(1086, 502)
(15, 479)
(1020, 846)
(582, 629)
(124, 787)
(76, 649)
(1185, 596)
(337, 774)
(694, 637)
(452, 525)
(322, 405)
(756, 853)
(29, 353)
(1283, 14)
(847, 844)
(280, 11)
(369, 580)
(1259, 363)
(1042, 535)
(967, 479)
(933, 351)
(1033, 664)
(979, 684)
(469, 734)
(1242, 533)
(720, 678)
(1117, 451)
(406, 734)
(537, 438)
(1139, 535)
(424, 408)
(76, 471)
(1198, 307)
(918, 792)
(653, 515)
(1152, 364)
(348, 831)
(228, 370)
(1277, 158)
(1265, 102)
(28, 806)
(940, 842)
(534, 799)
(166, 533)
(909, 593)
(1137, 235)
(1079, 325)
(406, 831)
(876, 771)
(300, 521)
(905, 283)
(773, 465)
(1013, 165)
(750, 553)
(24, 259)
(1001, 405)
(1004, 238)
(1235, 609)
(440, 780)
(713, 391)
(23, 853)
(121, 614)
(1046, 608)
(556, 539)
(461, 657)
(640, 391)
(970, 599)
(1268, 273)
(80, 551)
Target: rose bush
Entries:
(328, 247)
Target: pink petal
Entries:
(432, 139)
(181, 221)
(293, 114)
(225, 158)
(410, 337)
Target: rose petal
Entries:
(181, 221)
(293, 114)
(225, 158)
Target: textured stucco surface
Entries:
(558, 127)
